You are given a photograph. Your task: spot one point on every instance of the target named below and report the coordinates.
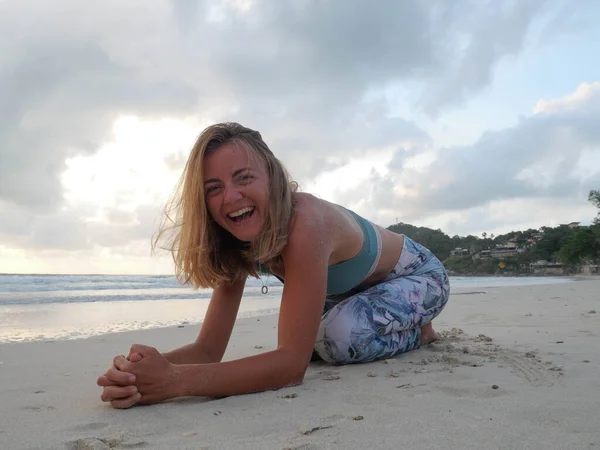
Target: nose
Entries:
(232, 194)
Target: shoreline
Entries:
(184, 324)
(36, 324)
(523, 275)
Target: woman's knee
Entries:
(339, 339)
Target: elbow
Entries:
(295, 369)
(296, 376)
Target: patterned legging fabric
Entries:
(383, 321)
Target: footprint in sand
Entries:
(323, 424)
(313, 430)
(38, 408)
(302, 447)
(327, 375)
(88, 444)
(457, 392)
(526, 365)
(97, 443)
(92, 426)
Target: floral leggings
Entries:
(383, 321)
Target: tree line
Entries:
(563, 244)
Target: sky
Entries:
(470, 116)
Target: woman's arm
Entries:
(117, 381)
(306, 259)
(216, 328)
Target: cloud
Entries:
(554, 154)
(497, 30)
(314, 77)
(587, 95)
(61, 94)
(176, 161)
(301, 72)
(77, 229)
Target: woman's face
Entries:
(236, 187)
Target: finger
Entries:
(143, 350)
(104, 381)
(119, 361)
(127, 402)
(110, 393)
(134, 357)
(119, 377)
(121, 364)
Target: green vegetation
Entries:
(594, 199)
(468, 265)
(582, 244)
(570, 246)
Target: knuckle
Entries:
(122, 404)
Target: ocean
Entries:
(56, 307)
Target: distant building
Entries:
(507, 246)
(483, 254)
(570, 225)
(501, 253)
(539, 263)
(590, 269)
(547, 268)
(458, 251)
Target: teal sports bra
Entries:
(346, 275)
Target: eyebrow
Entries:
(235, 174)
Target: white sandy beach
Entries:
(518, 368)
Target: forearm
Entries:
(267, 371)
(191, 354)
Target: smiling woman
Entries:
(353, 291)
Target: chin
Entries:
(246, 233)
(246, 237)
(243, 235)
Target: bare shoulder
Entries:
(311, 226)
(312, 214)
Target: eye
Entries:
(245, 177)
(212, 189)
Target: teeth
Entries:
(240, 212)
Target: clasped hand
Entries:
(144, 377)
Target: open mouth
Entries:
(241, 214)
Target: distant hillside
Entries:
(435, 240)
(570, 245)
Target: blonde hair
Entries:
(205, 254)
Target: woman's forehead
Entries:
(232, 157)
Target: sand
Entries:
(517, 368)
